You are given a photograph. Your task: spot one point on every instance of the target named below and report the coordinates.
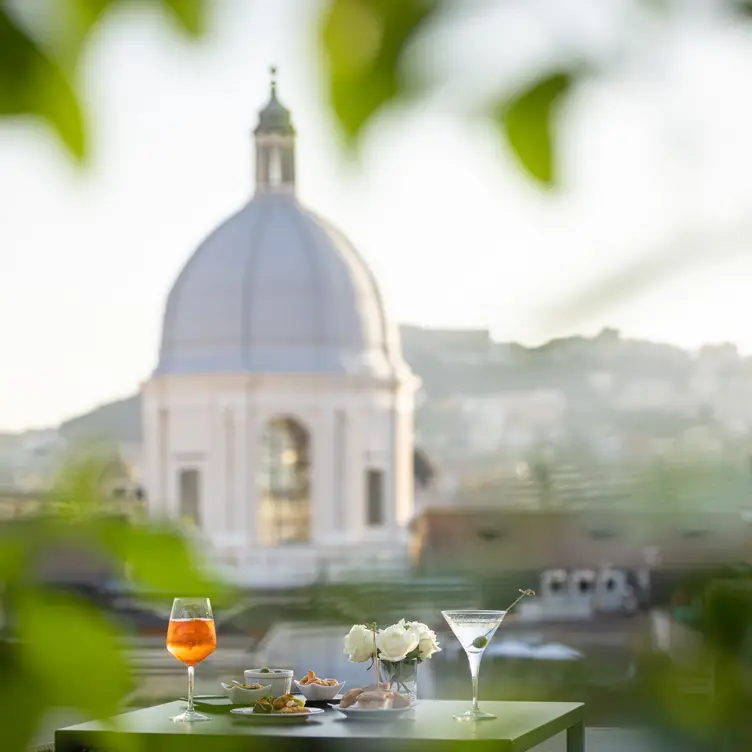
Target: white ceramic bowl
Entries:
(319, 692)
(240, 696)
(279, 679)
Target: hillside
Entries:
(456, 366)
(119, 420)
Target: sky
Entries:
(653, 157)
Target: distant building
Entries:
(279, 419)
(659, 394)
(512, 419)
(581, 562)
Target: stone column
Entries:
(354, 473)
(230, 474)
(152, 470)
(238, 526)
(253, 430)
(215, 488)
(323, 479)
(404, 474)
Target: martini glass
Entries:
(474, 630)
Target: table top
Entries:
(520, 726)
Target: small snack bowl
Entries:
(279, 679)
(319, 692)
(239, 695)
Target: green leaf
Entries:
(364, 42)
(159, 559)
(32, 84)
(73, 652)
(83, 15)
(21, 717)
(191, 14)
(14, 552)
(743, 7)
(526, 120)
(81, 483)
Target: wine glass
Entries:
(474, 630)
(191, 637)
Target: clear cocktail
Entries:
(474, 630)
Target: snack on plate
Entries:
(310, 678)
(351, 697)
(284, 704)
(264, 705)
(374, 697)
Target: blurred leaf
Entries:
(743, 7)
(20, 717)
(364, 41)
(35, 82)
(84, 14)
(638, 274)
(32, 84)
(75, 21)
(79, 18)
(191, 14)
(526, 120)
(82, 482)
(159, 559)
(73, 653)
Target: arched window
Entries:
(285, 504)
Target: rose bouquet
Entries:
(398, 650)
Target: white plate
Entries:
(373, 714)
(276, 717)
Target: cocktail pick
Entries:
(480, 642)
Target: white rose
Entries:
(428, 643)
(409, 625)
(395, 642)
(359, 644)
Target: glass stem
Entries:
(474, 659)
(191, 672)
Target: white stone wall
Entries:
(214, 424)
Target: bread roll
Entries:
(351, 697)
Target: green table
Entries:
(520, 726)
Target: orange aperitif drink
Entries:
(191, 640)
(191, 637)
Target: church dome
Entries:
(276, 289)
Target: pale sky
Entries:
(455, 233)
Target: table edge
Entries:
(574, 714)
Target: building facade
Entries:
(279, 419)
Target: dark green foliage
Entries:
(39, 66)
(527, 122)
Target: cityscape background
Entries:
(457, 236)
(582, 417)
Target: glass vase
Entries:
(402, 677)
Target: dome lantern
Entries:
(275, 146)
